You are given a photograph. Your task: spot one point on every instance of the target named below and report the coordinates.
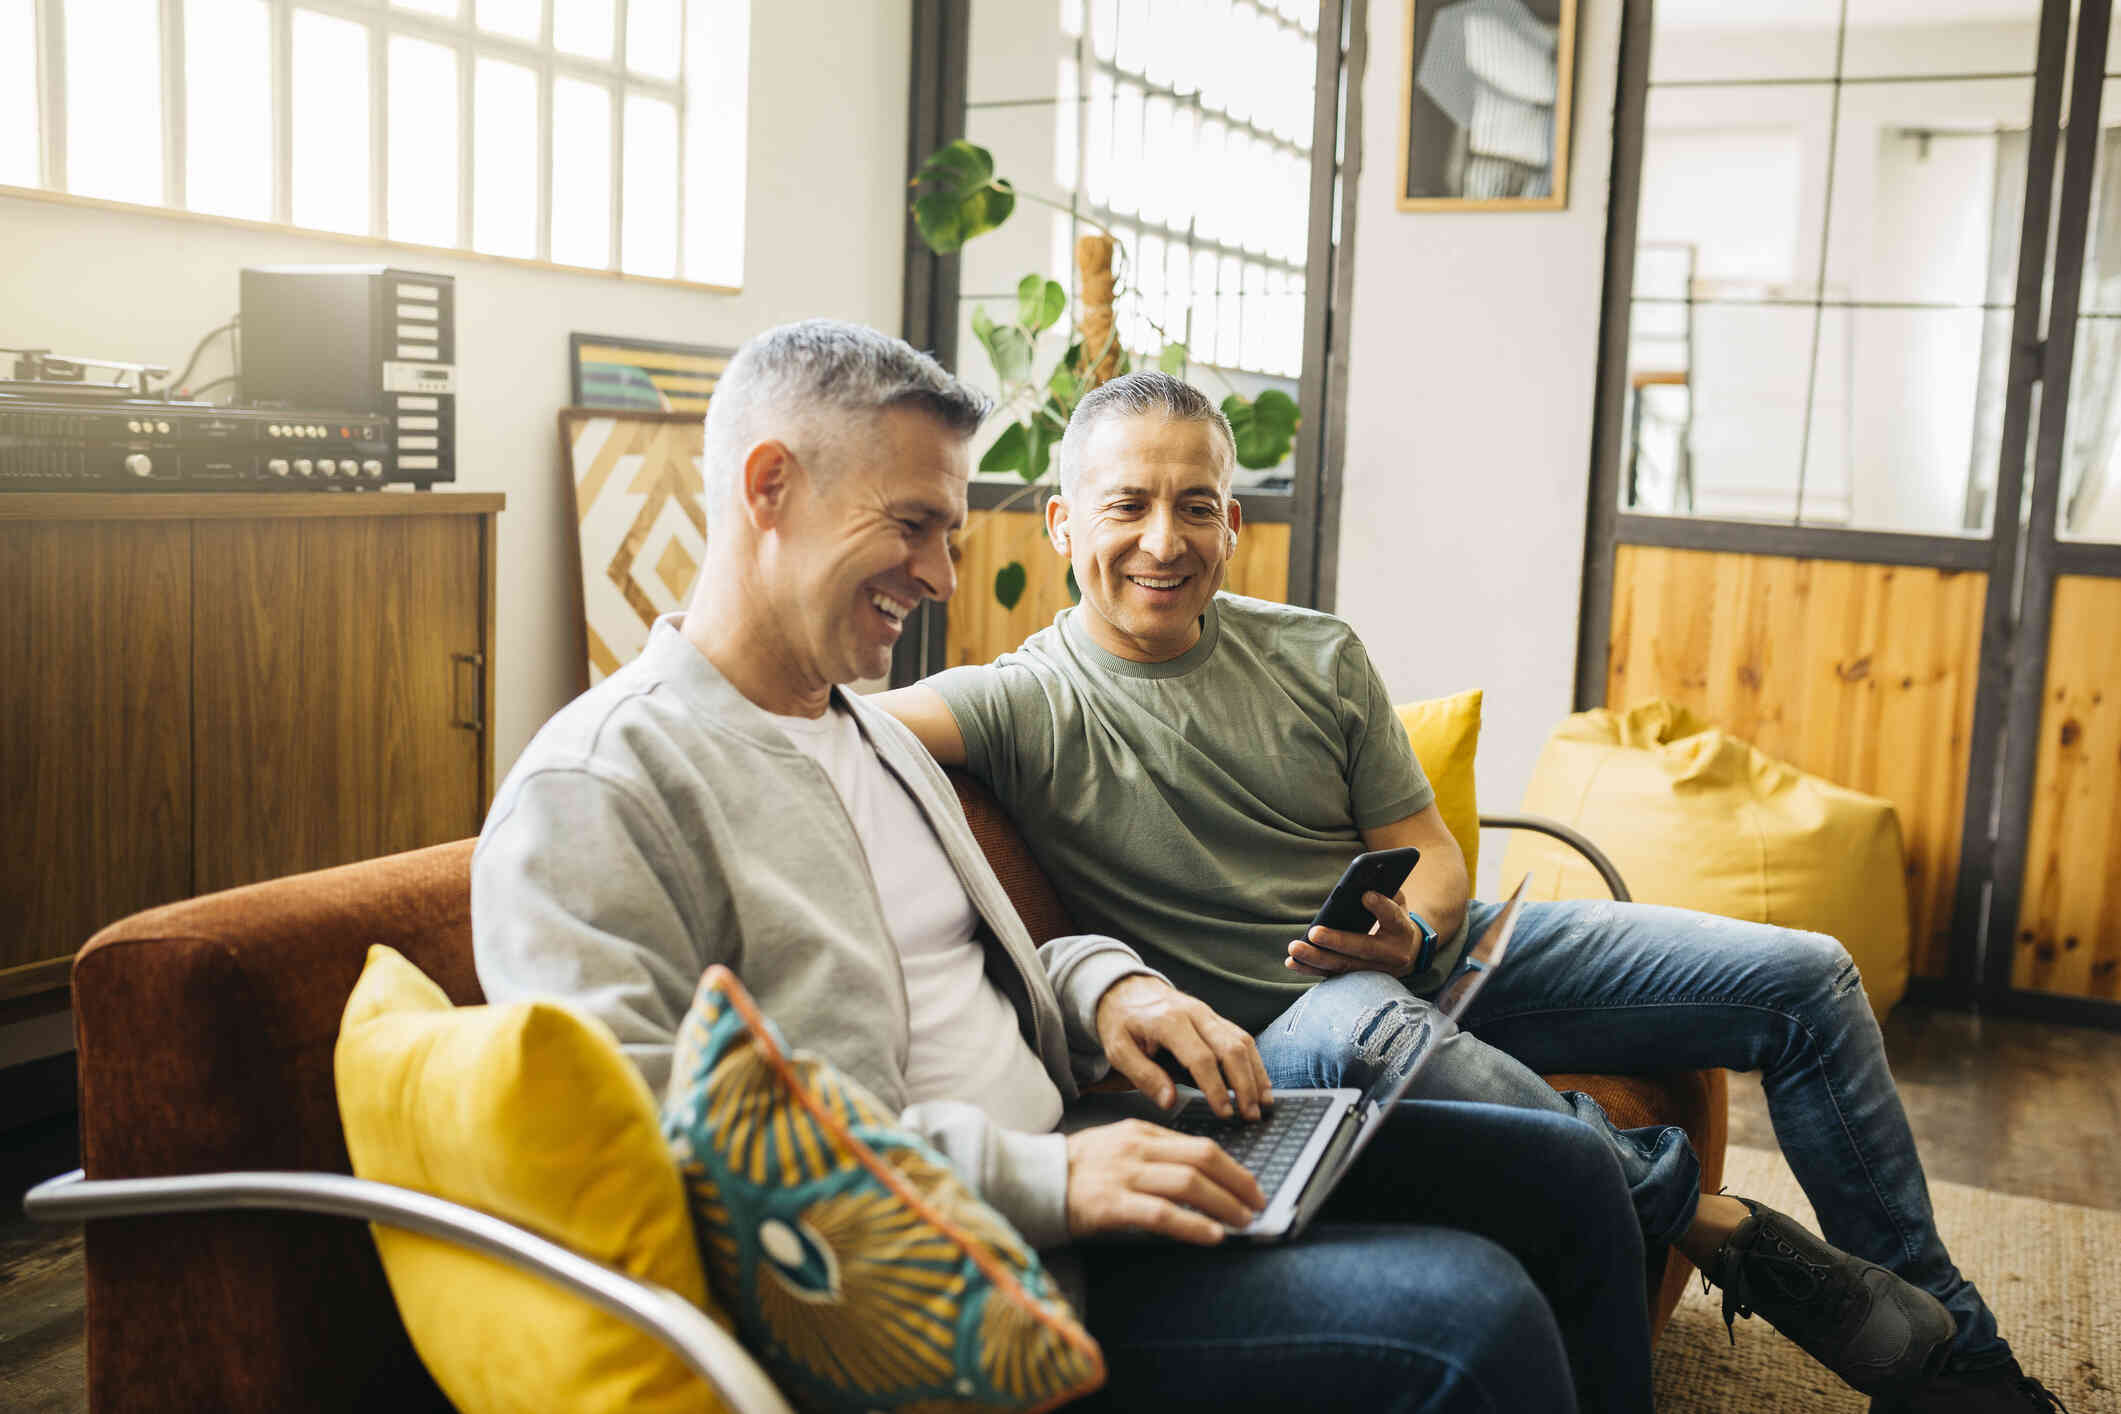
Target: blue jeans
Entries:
(1476, 1258)
(1598, 986)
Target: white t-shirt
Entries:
(966, 1045)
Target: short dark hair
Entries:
(1139, 395)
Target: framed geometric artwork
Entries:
(641, 521)
(1484, 116)
(611, 371)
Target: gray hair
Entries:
(804, 382)
(1139, 395)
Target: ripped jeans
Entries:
(1609, 987)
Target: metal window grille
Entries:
(381, 22)
(1192, 142)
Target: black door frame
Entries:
(2012, 660)
(936, 115)
(2046, 558)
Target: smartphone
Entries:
(1380, 871)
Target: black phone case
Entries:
(1379, 872)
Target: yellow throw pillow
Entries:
(529, 1112)
(1445, 732)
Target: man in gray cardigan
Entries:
(723, 799)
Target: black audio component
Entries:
(74, 443)
(370, 338)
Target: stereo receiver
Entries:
(52, 441)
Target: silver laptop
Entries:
(1301, 1148)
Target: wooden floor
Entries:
(2008, 1105)
(40, 1281)
(2013, 1106)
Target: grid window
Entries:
(1826, 219)
(1185, 126)
(20, 135)
(423, 141)
(504, 192)
(583, 27)
(651, 246)
(654, 37)
(517, 19)
(113, 96)
(330, 82)
(228, 108)
(581, 173)
(509, 127)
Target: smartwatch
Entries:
(1426, 954)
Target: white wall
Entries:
(824, 223)
(1473, 351)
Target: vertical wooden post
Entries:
(1093, 262)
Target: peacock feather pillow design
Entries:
(862, 1272)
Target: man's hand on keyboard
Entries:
(1139, 1177)
(1140, 1015)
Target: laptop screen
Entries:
(1480, 960)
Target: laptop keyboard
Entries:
(1267, 1146)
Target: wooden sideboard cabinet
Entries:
(204, 690)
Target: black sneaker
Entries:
(1877, 1332)
(1991, 1389)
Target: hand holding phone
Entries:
(1380, 871)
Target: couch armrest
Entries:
(711, 1352)
(1575, 839)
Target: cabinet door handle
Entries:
(477, 663)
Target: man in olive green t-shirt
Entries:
(1222, 850)
(1194, 770)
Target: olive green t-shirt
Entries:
(1202, 808)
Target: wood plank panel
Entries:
(328, 688)
(981, 629)
(432, 790)
(2068, 934)
(1863, 674)
(258, 780)
(95, 733)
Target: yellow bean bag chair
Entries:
(1696, 818)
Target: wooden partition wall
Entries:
(981, 629)
(1861, 673)
(2068, 937)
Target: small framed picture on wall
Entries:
(1484, 112)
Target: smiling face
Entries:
(858, 551)
(1149, 528)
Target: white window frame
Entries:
(1291, 270)
(384, 20)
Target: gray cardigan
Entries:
(661, 823)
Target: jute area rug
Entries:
(2050, 1271)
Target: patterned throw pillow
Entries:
(863, 1273)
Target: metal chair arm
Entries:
(1575, 839)
(711, 1352)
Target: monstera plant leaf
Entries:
(1009, 582)
(1040, 303)
(1009, 452)
(1265, 427)
(1007, 345)
(959, 196)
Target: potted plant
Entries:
(958, 196)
